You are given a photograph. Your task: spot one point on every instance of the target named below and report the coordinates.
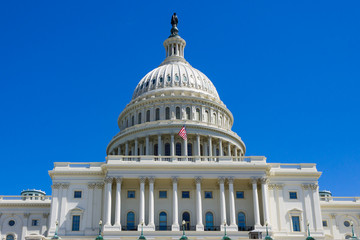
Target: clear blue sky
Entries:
(288, 70)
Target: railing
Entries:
(340, 199)
(163, 228)
(87, 165)
(129, 228)
(24, 198)
(293, 166)
(245, 228)
(212, 228)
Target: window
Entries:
(77, 194)
(11, 223)
(198, 114)
(239, 194)
(167, 149)
(35, 222)
(206, 117)
(176, 77)
(156, 150)
(75, 223)
(188, 113)
(347, 237)
(162, 194)
(168, 78)
(139, 118)
(214, 120)
(162, 221)
(209, 221)
(161, 79)
(131, 194)
(167, 113)
(296, 223)
(346, 224)
(208, 194)
(130, 221)
(293, 195)
(186, 218)
(190, 153)
(157, 114)
(185, 194)
(10, 237)
(177, 111)
(185, 79)
(148, 115)
(325, 224)
(241, 221)
(178, 149)
(132, 121)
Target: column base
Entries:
(199, 227)
(147, 228)
(259, 227)
(109, 228)
(175, 227)
(230, 228)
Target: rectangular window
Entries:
(208, 194)
(325, 223)
(185, 194)
(77, 194)
(296, 223)
(239, 194)
(131, 194)
(293, 195)
(162, 194)
(76, 223)
(35, 222)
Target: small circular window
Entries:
(347, 224)
(11, 223)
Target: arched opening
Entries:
(177, 112)
(139, 118)
(167, 149)
(130, 221)
(198, 114)
(186, 218)
(241, 221)
(132, 121)
(148, 116)
(206, 117)
(157, 114)
(188, 116)
(201, 150)
(167, 113)
(10, 237)
(190, 149)
(178, 149)
(156, 152)
(209, 221)
(162, 221)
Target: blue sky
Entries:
(288, 71)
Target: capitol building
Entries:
(176, 164)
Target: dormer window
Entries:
(147, 84)
(185, 79)
(161, 79)
(153, 81)
(176, 78)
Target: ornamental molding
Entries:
(221, 180)
(264, 180)
(254, 180)
(26, 215)
(118, 180)
(99, 185)
(230, 180)
(175, 179)
(151, 179)
(108, 180)
(313, 186)
(65, 185)
(56, 185)
(142, 179)
(198, 180)
(91, 185)
(46, 215)
(305, 186)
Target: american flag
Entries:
(182, 133)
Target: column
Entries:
(210, 147)
(136, 152)
(107, 213)
(89, 209)
(172, 146)
(142, 202)
(118, 150)
(25, 224)
(151, 202)
(126, 148)
(118, 203)
(175, 225)
(159, 145)
(316, 207)
(232, 203)
(235, 153)
(185, 147)
(63, 210)
(54, 207)
(147, 146)
(264, 190)
(220, 148)
(198, 150)
(229, 149)
(307, 207)
(199, 225)
(222, 201)
(256, 203)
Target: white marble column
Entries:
(127, 148)
(221, 153)
(210, 147)
(172, 146)
(185, 147)
(229, 149)
(199, 225)
(222, 201)
(175, 225)
(64, 198)
(54, 207)
(159, 144)
(235, 153)
(142, 202)
(89, 210)
(136, 152)
(118, 150)
(232, 204)
(107, 213)
(147, 146)
(314, 192)
(198, 150)
(118, 203)
(151, 222)
(256, 203)
(264, 190)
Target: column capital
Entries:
(56, 185)
(142, 179)
(254, 180)
(108, 180)
(313, 186)
(65, 185)
(46, 215)
(151, 179)
(230, 180)
(279, 186)
(26, 215)
(221, 180)
(99, 185)
(305, 186)
(198, 179)
(118, 180)
(271, 186)
(264, 180)
(91, 185)
(174, 179)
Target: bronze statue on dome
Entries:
(174, 22)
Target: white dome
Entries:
(176, 75)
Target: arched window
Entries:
(157, 114)
(189, 146)
(132, 121)
(10, 237)
(220, 121)
(139, 118)
(148, 115)
(127, 123)
(206, 117)
(188, 113)
(209, 221)
(130, 221)
(167, 113)
(201, 150)
(214, 120)
(241, 221)
(162, 221)
(167, 149)
(186, 218)
(156, 152)
(178, 149)
(198, 114)
(177, 112)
